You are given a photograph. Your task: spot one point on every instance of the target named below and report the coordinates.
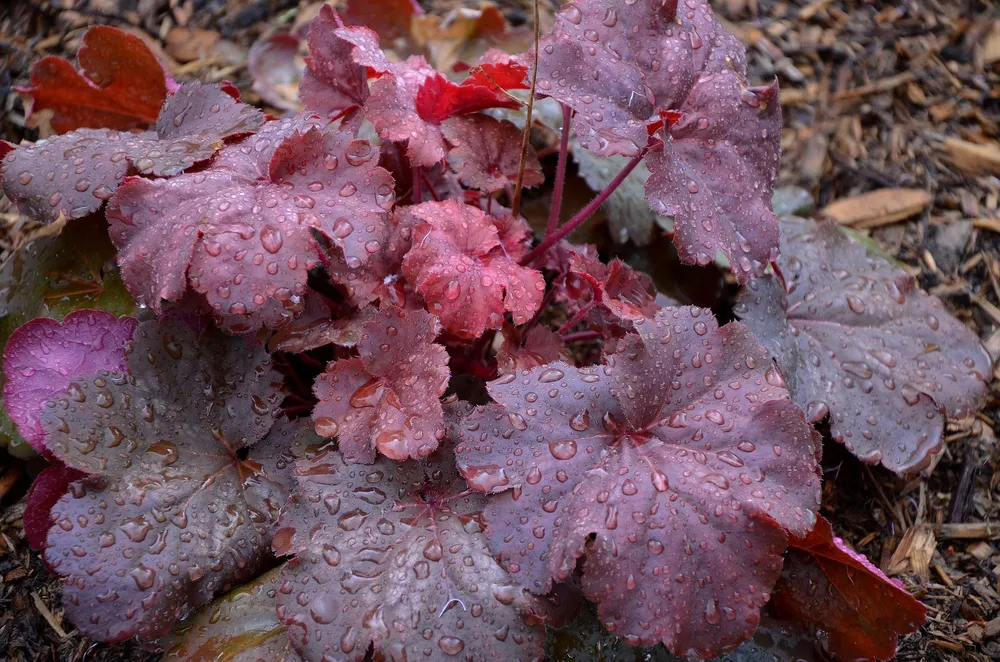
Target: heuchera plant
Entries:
(358, 369)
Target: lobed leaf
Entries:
(388, 399)
(120, 85)
(538, 346)
(43, 356)
(241, 626)
(848, 603)
(858, 340)
(174, 509)
(482, 156)
(333, 84)
(621, 295)
(240, 231)
(391, 557)
(462, 269)
(48, 487)
(72, 175)
(676, 468)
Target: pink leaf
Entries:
(857, 339)
(482, 155)
(388, 400)
(846, 602)
(240, 232)
(333, 84)
(715, 171)
(87, 165)
(48, 487)
(683, 455)
(461, 268)
(396, 560)
(175, 511)
(43, 356)
(538, 347)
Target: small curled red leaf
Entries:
(333, 84)
(481, 155)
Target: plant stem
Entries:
(576, 319)
(489, 204)
(560, 184)
(430, 185)
(581, 336)
(415, 176)
(575, 222)
(515, 208)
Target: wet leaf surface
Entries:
(849, 606)
(240, 231)
(660, 455)
(388, 399)
(173, 510)
(858, 340)
(73, 174)
(393, 555)
(481, 153)
(333, 84)
(460, 264)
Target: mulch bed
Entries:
(875, 94)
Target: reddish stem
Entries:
(581, 336)
(560, 184)
(489, 204)
(549, 295)
(584, 213)
(415, 176)
(781, 276)
(430, 186)
(576, 319)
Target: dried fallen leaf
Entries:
(878, 208)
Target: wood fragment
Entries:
(47, 615)
(991, 224)
(878, 208)
(913, 555)
(969, 530)
(883, 85)
(961, 496)
(973, 158)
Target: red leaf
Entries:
(483, 153)
(389, 18)
(439, 99)
(121, 85)
(715, 171)
(333, 84)
(388, 399)
(43, 356)
(87, 165)
(538, 347)
(848, 603)
(498, 71)
(173, 513)
(622, 294)
(240, 231)
(856, 338)
(396, 559)
(48, 488)
(661, 455)
(461, 268)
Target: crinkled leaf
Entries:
(523, 352)
(53, 276)
(714, 174)
(74, 174)
(120, 85)
(173, 511)
(321, 323)
(683, 456)
(459, 265)
(386, 557)
(241, 626)
(484, 153)
(621, 295)
(848, 603)
(276, 69)
(498, 71)
(42, 357)
(390, 19)
(410, 99)
(438, 177)
(47, 488)
(856, 338)
(388, 399)
(333, 84)
(240, 232)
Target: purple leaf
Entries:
(276, 70)
(388, 400)
(46, 490)
(174, 510)
(482, 156)
(73, 174)
(856, 338)
(683, 455)
(389, 557)
(43, 356)
(333, 84)
(460, 264)
(240, 232)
